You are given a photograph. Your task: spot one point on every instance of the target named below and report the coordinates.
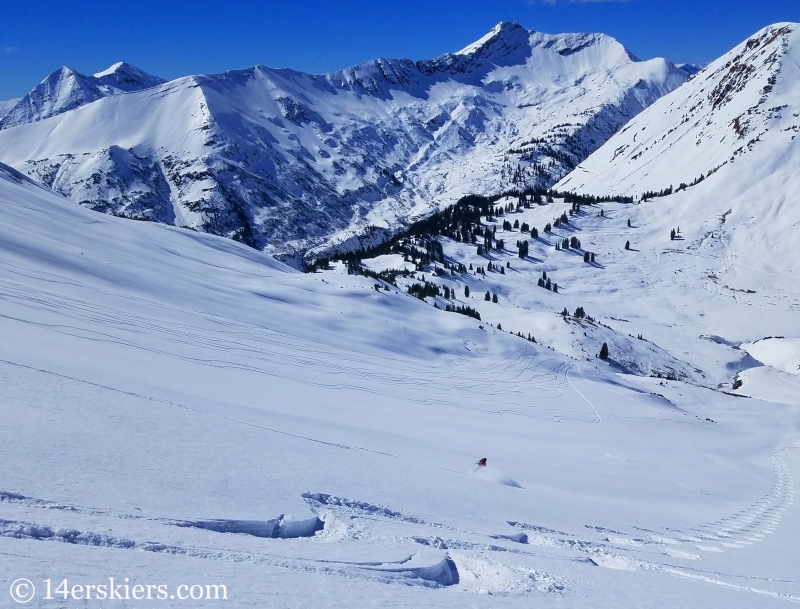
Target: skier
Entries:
(481, 463)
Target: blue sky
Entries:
(174, 39)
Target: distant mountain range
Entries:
(298, 164)
(66, 89)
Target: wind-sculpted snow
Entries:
(293, 163)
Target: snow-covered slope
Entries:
(5, 106)
(287, 161)
(65, 89)
(734, 126)
(740, 110)
(179, 409)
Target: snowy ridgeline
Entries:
(178, 404)
(287, 161)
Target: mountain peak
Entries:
(120, 65)
(66, 89)
(505, 30)
(127, 78)
(738, 109)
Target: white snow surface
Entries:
(65, 90)
(5, 106)
(179, 408)
(735, 121)
(298, 164)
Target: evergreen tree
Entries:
(672, 235)
(604, 351)
(466, 290)
(502, 270)
(592, 257)
(627, 245)
(499, 327)
(586, 256)
(494, 298)
(487, 296)
(555, 287)
(534, 233)
(629, 223)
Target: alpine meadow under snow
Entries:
(182, 408)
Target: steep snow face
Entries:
(291, 162)
(734, 126)
(65, 89)
(5, 106)
(739, 108)
(125, 77)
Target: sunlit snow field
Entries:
(180, 409)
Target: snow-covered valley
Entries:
(291, 162)
(182, 409)
(179, 406)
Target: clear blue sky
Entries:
(174, 39)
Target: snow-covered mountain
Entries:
(65, 89)
(287, 162)
(738, 109)
(726, 144)
(690, 68)
(5, 106)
